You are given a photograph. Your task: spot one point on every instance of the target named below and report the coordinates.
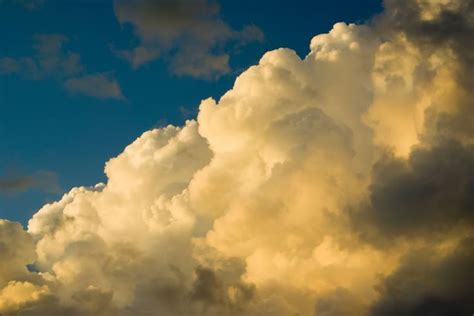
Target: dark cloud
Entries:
(207, 287)
(428, 197)
(41, 180)
(339, 302)
(100, 86)
(47, 306)
(139, 55)
(211, 292)
(27, 4)
(169, 294)
(210, 289)
(53, 60)
(432, 190)
(191, 33)
(220, 291)
(428, 284)
(450, 27)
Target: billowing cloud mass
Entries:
(190, 33)
(337, 184)
(53, 60)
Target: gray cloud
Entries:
(191, 34)
(27, 4)
(41, 180)
(428, 193)
(53, 60)
(339, 302)
(100, 86)
(139, 55)
(211, 289)
(428, 197)
(429, 284)
(449, 27)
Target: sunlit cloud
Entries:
(340, 183)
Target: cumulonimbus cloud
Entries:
(337, 184)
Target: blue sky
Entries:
(52, 125)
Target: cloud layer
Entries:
(337, 184)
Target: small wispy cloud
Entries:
(46, 181)
(100, 85)
(27, 4)
(52, 60)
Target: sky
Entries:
(224, 158)
(67, 134)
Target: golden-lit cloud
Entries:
(337, 184)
